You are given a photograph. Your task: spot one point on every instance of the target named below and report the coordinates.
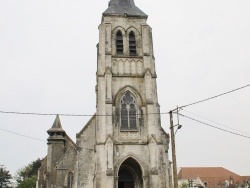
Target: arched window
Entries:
(119, 42)
(132, 43)
(128, 112)
(70, 180)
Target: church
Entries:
(123, 144)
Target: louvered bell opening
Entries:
(119, 43)
(132, 49)
(132, 44)
(119, 49)
(119, 36)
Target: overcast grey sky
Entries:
(48, 65)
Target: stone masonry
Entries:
(123, 145)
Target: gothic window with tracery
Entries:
(119, 42)
(70, 180)
(128, 112)
(132, 43)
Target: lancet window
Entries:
(119, 43)
(128, 112)
(70, 180)
(132, 43)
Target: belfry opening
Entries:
(130, 174)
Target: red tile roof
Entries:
(214, 176)
(193, 172)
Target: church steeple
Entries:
(123, 7)
(123, 144)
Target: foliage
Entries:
(28, 183)
(183, 185)
(31, 169)
(27, 176)
(5, 177)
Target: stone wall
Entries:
(86, 163)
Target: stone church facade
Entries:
(123, 145)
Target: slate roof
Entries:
(122, 7)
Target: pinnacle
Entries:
(56, 127)
(57, 122)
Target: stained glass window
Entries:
(128, 112)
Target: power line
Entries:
(215, 96)
(215, 122)
(213, 126)
(74, 115)
(41, 114)
(22, 135)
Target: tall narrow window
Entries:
(70, 180)
(132, 43)
(128, 112)
(119, 42)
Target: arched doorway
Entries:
(130, 174)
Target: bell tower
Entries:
(123, 144)
(131, 146)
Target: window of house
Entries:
(70, 180)
(128, 112)
(132, 43)
(119, 42)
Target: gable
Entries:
(88, 124)
(68, 159)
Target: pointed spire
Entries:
(56, 131)
(124, 8)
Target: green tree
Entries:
(183, 185)
(27, 176)
(28, 183)
(5, 177)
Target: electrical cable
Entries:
(76, 115)
(42, 114)
(215, 96)
(32, 137)
(215, 122)
(22, 135)
(213, 126)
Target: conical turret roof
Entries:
(56, 132)
(122, 7)
(56, 127)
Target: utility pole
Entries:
(173, 150)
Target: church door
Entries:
(130, 175)
(126, 179)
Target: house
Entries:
(211, 177)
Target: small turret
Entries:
(56, 132)
(56, 149)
